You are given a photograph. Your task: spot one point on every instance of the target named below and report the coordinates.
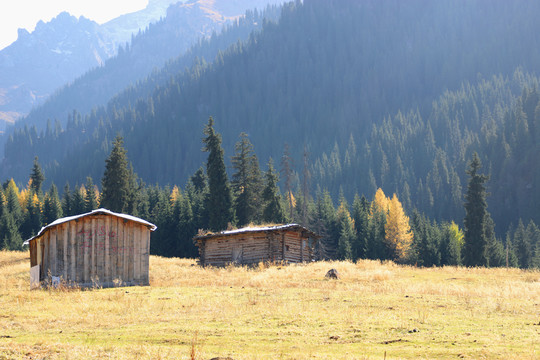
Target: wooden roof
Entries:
(246, 230)
(57, 222)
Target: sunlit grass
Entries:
(375, 310)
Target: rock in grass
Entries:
(332, 274)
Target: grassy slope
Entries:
(375, 311)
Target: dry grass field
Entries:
(375, 311)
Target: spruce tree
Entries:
(273, 211)
(10, 238)
(451, 244)
(346, 232)
(361, 221)
(522, 245)
(52, 207)
(327, 227)
(78, 205)
(246, 182)
(13, 205)
(287, 170)
(475, 252)
(37, 178)
(67, 202)
(219, 198)
(116, 179)
(90, 198)
(32, 218)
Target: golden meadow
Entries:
(374, 311)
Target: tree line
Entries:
(213, 201)
(360, 95)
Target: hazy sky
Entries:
(16, 14)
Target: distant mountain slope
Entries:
(167, 38)
(51, 55)
(122, 28)
(59, 51)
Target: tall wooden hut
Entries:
(99, 248)
(289, 243)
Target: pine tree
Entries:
(186, 229)
(495, 249)
(522, 245)
(451, 244)
(3, 202)
(287, 169)
(90, 197)
(78, 205)
(116, 179)
(52, 208)
(199, 181)
(475, 253)
(326, 227)
(33, 217)
(37, 177)
(273, 211)
(534, 236)
(67, 202)
(219, 198)
(361, 208)
(346, 232)
(375, 248)
(10, 238)
(13, 205)
(246, 182)
(426, 241)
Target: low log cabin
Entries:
(290, 243)
(99, 248)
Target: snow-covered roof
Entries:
(257, 229)
(93, 212)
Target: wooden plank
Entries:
(33, 253)
(107, 251)
(99, 261)
(82, 249)
(41, 256)
(131, 249)
(146, 256)
(53, 251)
(73, 251)
(89, 253)
(45, 247)
(123, 271)
(136, 253)
(113, 241)
(34, 277)
(65, 239)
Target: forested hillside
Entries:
(387, 95)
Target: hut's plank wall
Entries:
(254, 247)
(95, 250)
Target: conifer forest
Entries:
(404, 131)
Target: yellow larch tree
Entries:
(380, 203)
(398, 234)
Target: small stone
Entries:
(332, 274)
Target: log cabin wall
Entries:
(97, 250)
(253, 247)
(241, 249)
